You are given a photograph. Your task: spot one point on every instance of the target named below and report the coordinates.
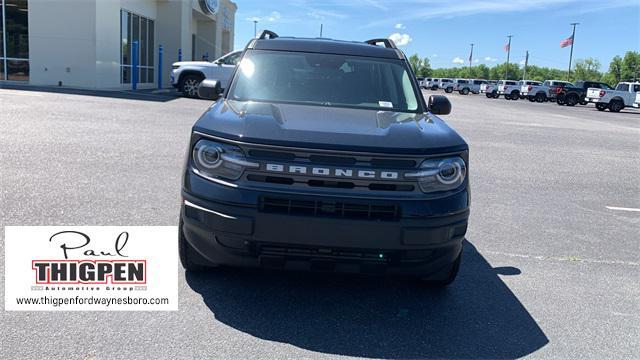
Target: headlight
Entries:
(216, 160)
(440, 174)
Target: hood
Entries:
(192, 63)
(309, 126)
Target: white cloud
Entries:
(457, 60)
(476, 61)
(400, 39)
(273, 17)
(490, 59)
(400, 27)
(324, 14)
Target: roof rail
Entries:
(267, 34)
(388, 43)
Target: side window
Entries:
(231, 59)
(623, 87)
(636, 88)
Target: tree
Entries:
(421, 67)
(587, 69)
(615, 71)
(631, 66)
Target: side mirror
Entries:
(439, 105)
(209, 89)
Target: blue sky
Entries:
(443, 30)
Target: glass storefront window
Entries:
(136, 28)
(14, 40)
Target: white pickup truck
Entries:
(443, 83)
(494, 91)
(543, 92)
(510, 89)
(514, 92)
(626, 94)
(472, 85)
(487, 85)
(186, 76)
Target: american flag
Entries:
(566, 42)
(507, 47)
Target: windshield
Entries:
(324, 80)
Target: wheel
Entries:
(488, 95)
(541, 98)
(531, 98)
(448, 90)
(189, 85)
(572, 100)
(495, 95)
(560, 100)
(601, 107)
(583, 103)
(464, 91)
(515, 95)
(507, 97)
(187, 253)
(434, 88)
(453, 272)
(616, 106)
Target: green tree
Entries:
(587, 69)
(421, 66)
(631, 66)
(614, 75)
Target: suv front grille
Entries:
(328, 208)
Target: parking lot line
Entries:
(622, 208)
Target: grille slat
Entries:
(332, 209)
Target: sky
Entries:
(443, 30)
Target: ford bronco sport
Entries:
(323, 155)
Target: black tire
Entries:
(515, 95)
(583, 103)
(531, 98)
(560, 100)
(541, 98)
(189, 85)
(488, 95)
(616, 105)
(187, 253)
(601, 107)
(448, 90)
(453, 273)
(495, 95)
(434, 88)
(464, 91)
(572, 100)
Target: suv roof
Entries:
(268, 40)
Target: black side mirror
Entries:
(439, 105)
(209, 89)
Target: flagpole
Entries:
(471, 55)
(573, 40)
(526, 61)
(506, 69)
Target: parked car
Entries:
(420, 81)
(443, 83)
(186, 76)
(470, 86)
(328, 191)
(504, 87)
(453, 86)
(543, 92)
(484, 87)
(514, 92)
(576, 94)
(626, 94)
(425, 83)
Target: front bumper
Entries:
(236, 229)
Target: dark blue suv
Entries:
(323, 155)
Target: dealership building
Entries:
(89, 43)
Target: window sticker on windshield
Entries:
(385, 104)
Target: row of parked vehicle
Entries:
(625, 94)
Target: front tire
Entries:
(464, 91)
(448, 90)
(541, 98)
(515, 95)
(572, 100)
(601, 107)
(616, 106)
(189, 85)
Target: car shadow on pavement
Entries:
(477, 317)
(140, 95)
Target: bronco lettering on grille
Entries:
(331, 171)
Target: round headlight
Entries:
(209, 157)
(449, 172)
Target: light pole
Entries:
(471, 56)
(255, 28)
(573, 40)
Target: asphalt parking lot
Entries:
(551, 268)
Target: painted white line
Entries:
(622, 208)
